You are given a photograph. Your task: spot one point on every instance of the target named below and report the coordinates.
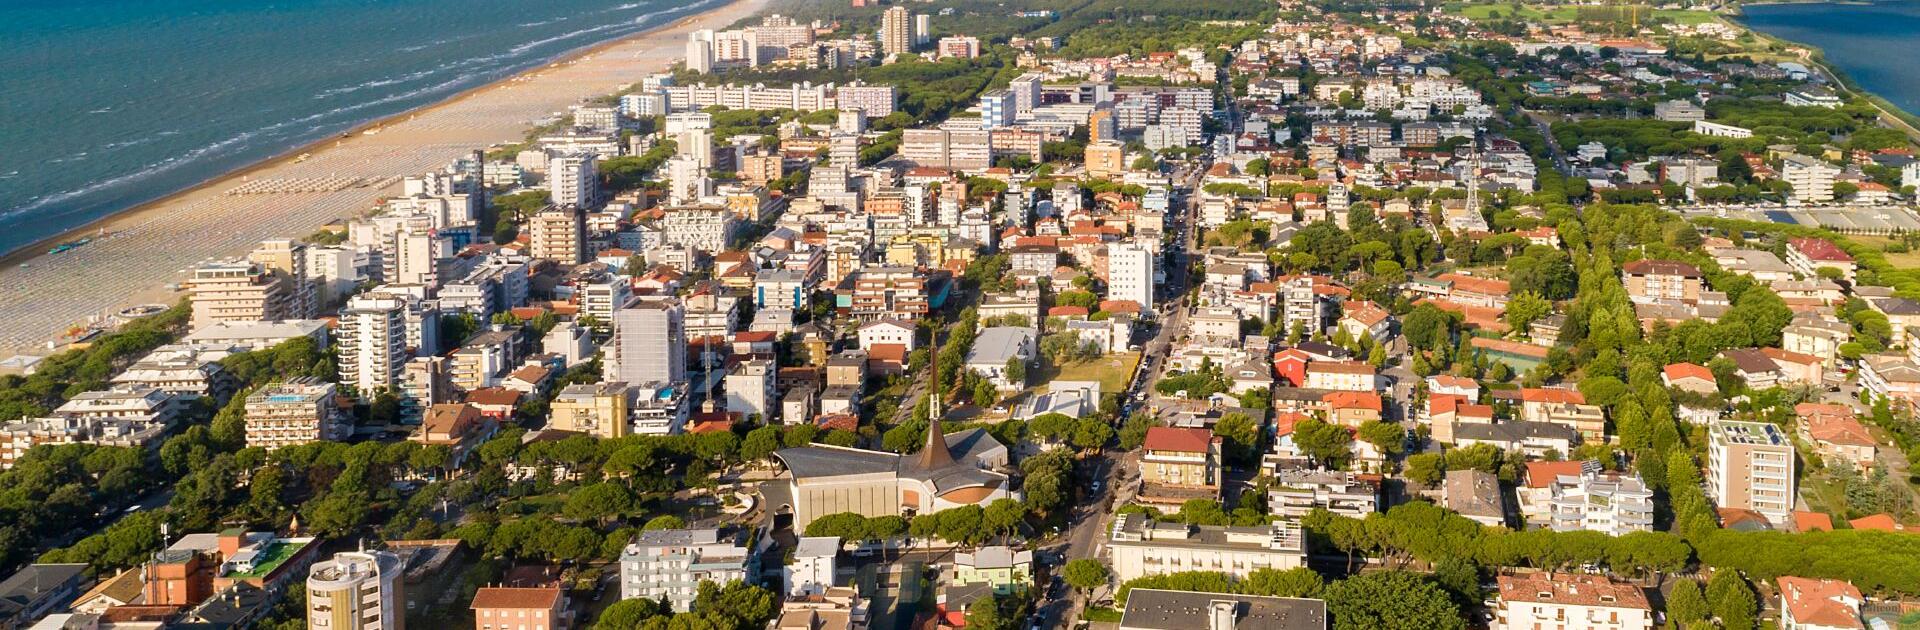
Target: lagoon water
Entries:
(105, 104)
(1875, 44)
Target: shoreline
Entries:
(29, 252)
(151, 247)
(1896, 117)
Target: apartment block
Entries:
(670, 564)
(293, 413)
(1750, 465)
(1141, 546)
(357, 590)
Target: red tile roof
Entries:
(1822, 603)
(1679, 371)
(1661, 268)
(1572, 589)
(1819, 249)
(1552, 395)
(1812, 522)
(1878, 522)
(1177, 439)
(1352, 400)
(1542, 474)
(497, 597)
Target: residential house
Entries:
(1818, 604)
(1570, 601)
(1650, 281)
(1476, 495)
(1180, 464)
(1834, 433)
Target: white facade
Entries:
(574, 180)
(1130, 274)
(649, 344)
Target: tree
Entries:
(1525, 308)
(1686, 605)
(1240, 436)
(1086, 574)
(1133, 432)
(1091, 433)
(1331, 444)
(628, 614)
(1427, 469)
(998, 612)
(760, 444)
(1732, 600)
(1017, 371)
(665, 521)
(602, 501)
(1391, 599)
(847, 526)
(1295, 582)
(1002, 516)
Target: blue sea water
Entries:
(1872, 43)
(105, 104)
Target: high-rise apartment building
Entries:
(670, 564)
(373, 341)
(896, 31)
(292, 413)
(996, 109)
(1130, 270)
(357, 590)
(649, 343)
(559, 233)
(290, 258)
(241, 291)
(700, 51)
(1750, 466)
(1026, 92)
(574, 180)
(1106, 158)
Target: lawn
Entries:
(1566, 14)
(1112, 371)
(1904, 260)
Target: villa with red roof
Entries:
(1808, 255)
(1180, 464)
(1835, 433)
(1691, 377)
(1811, 604)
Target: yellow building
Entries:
(597, 409)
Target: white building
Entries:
(1812, 179)
(357, 590)
(574, 180)
(373, 341)
(1131, 274)
(1141, 547)
(670, 564)
(1570, 602)
(649, 344)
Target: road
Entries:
(1116, 473)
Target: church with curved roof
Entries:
(950, 471)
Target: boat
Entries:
(69, 246)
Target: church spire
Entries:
(935, 454)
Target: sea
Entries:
(106, 104)
(1873, 43)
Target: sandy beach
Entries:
(154, 245)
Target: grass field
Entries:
(1111, 371)
(1904, 260)
(1565, 14)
